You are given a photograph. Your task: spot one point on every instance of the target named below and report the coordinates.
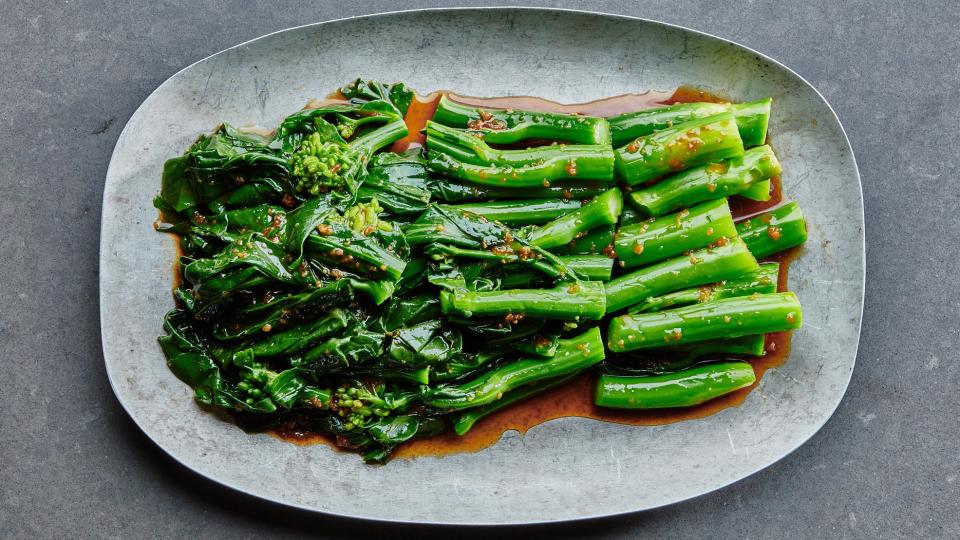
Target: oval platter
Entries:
(570, 468)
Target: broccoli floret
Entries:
(360, 405)
(263, 389)
(338, 145)
(373, 420)
(252, 385)
(357, 406)
(319, 165)
(364, 218)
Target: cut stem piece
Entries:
(727, 318)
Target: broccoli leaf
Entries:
(425, 343)
(394, 430)
(176, 187)
(398, 182)
(299, 338)
(257, 317)
(360, 91)
(408, 311)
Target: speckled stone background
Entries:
(73, 465)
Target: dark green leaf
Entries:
(360, 91)
(425, 343)
(395, 430)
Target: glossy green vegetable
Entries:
(752, 119)
(360, 91)
(604, 209)
(631, 215)
(727, 318)
(522, 211)
(573, 355)
(356, 251)
(574, 301)
(763, 281)
(680, 147)
(458, 154)
(448, 190)
(507, 126)
(329, 150)
(598, 241)
(671, 235)
(328, 285)
(466, 419)
(399, 182)
(721, 179)
(703, 266)
(774, 231)
(758, 191)
(681, 389)
(454, 233)
(589, 267)
(673, 359)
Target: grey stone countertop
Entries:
(72, 464)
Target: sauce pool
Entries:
(575, 399)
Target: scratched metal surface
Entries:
(564, 469)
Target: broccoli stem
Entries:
(680, 147)
(571, 301)
(348, 126)
(523, 211)
(604, 209)
(467, 147)
(573, 355)
(727, 318)
(671, 235)
(378, 291)
(721, 179)
(355, 252)
(751, 117)
(466, 419)
(545, 263)
(758, 191)
(673, 359)
(564, 162)
(591, 267)
(507, 126)
(631, 215)
(763, 281)
(752, 345)
(774, 231)
(708, 265)
(369, 142)
(301, 337)
(460, 155)
(685, 388)
(596, 241)
(452, 191)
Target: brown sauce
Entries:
(574, 399)
(421, 109)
